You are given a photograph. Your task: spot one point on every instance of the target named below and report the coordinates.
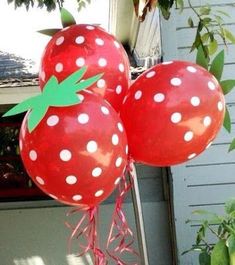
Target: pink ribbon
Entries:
(86, 230)
(121, 237)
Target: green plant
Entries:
(222, 252)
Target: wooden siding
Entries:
(207, 181)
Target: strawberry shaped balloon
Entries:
(77, 45)
(73, 146)
(172, 112)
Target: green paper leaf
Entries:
(227, 85)
(219, 254)
(35, 116)
(49, 32)
(88, 82)
(231, 249)
(67, 18)
(204, 258)
(232, 145)
(201, 59)
(227, 121)
(217, 65)
(21, 107)
(63, 100)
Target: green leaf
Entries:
(49, 32)
(227, 121)
(205, 10)
(232, 146)
(217, 65)
(205, 37)
(35, 116)
(88, 82)
(213, 46)
(229, 35)
(190, 22)
(230, 206)
(67, 18)
(204, 258)
(180, 4)
(64, 100)
(223, 13)
(219, 254)
(231, 249)
(201, 59)
(227, 85)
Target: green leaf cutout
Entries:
(232, 145)
(49, 32)
(201, 58)
(227, 121)
(219, 254)
(54, 94)
(227, 85)
(231, 249)
(67, 18)
(217, 65)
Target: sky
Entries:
(18, 28)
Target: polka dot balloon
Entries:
(172, 113)
(77, 154)
(80, 45)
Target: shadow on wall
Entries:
(71, 259)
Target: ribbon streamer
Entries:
(85, 230)
(121, 237)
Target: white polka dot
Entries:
(99, 193)
(115, 139)
(211, 85)
(90, 27)
(176, 81)
(43, 75)
(83, 118)
(119, 89)
(105, 110)
(118, 162)
(121, 67)
(52, 120)
(176, 117)
(77, 197)
(120, 127)
(102, 62)
(138, 94)
(81, 97)
(71, 180)
(127, 149)
(117, 45)
(207, 121)
(65, 155)
(101, 83)
(195, 101)
(59, 41)
(99, 41)
(59, 67)
(210, 143)
(80, 40)
(192, 156)
(96, 172)
(159, 97)
(220, 106)
(191, 69)
(92, 147)
(117, 181)
(188, 136)
(33, 155)
(166, 63)
(40, 180)
(150, 74)
(80, 62)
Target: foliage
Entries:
(223, 229)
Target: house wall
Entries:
(207, 181)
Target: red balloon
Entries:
(76, 154)
(172, 112)
(80, 45)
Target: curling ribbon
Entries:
(121, 237)
(86, 230)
